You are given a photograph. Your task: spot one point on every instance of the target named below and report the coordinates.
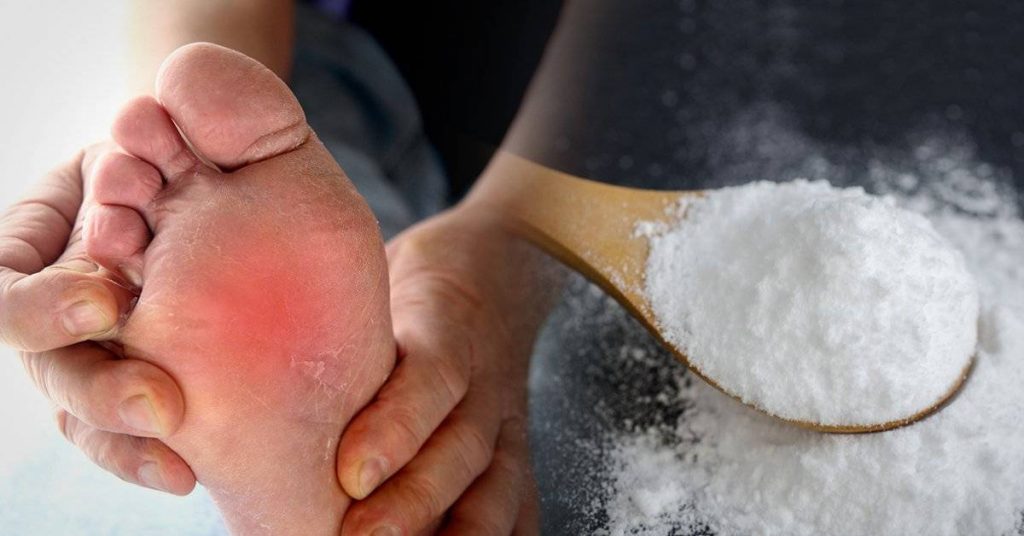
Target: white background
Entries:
(62, 76)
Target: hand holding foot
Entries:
(262, 292)
(445, 439)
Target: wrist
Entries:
(500, 257)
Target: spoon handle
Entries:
(589, 226)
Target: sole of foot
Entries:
(262, 284)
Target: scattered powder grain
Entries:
(723, 468)
(814, 303)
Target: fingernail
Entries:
(85, 318)
(371, 474)
(386, 530)
(149, 476)
(132, 275)
(138, 413)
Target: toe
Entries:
(116, 238)
(233, 110)
(119, 179)
(120, 220)
(144, 129)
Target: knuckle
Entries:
(475, 441)
(17, 325)
(474, 450)
(82, 288)
(80, 435)
(104, 449)
(454, 376)
(36, 365)
(120, 455)
(425, 499)
(408, 422)
(109, 457)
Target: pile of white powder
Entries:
(814, 303)
(724, 468)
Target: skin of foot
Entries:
(262, 285)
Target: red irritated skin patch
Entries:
(254, 317)
(243, 283)
(268, 303)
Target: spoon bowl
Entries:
(592, 228)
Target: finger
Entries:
(496, 501)
(455, 455)
(431, 528)
(144, 461)
(35, 231)
(53, 308)
(528, 523)
(60, 305)
(431, 377)
(116, 395)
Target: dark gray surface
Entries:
(650, 93)
(688, 94)
(584, 388)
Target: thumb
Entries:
(61, 305)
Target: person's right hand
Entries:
(53, 303)
(445, 438)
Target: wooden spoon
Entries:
(592, 228)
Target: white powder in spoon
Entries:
(723, 468)
(814, 303)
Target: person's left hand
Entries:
(447, 433)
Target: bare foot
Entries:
(263, 287)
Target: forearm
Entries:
(262, 29)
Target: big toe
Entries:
(232, 109)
